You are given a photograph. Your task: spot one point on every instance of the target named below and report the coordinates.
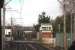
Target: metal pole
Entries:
(71, 27)
(65, 34)
(71, 4)
(11, 28)
(59, 27)
(73, 13)
(3, 28)
(74, 29)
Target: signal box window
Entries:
(44, 28)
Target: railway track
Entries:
(24, 46)
(38, 46)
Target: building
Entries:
(8, 35)
(22, 33)
(46, 34)
(30, 33)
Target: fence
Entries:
(60, 39)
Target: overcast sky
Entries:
(25, 12)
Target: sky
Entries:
(25, 12)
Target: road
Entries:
(24, 46)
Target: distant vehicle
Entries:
(46, 31)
